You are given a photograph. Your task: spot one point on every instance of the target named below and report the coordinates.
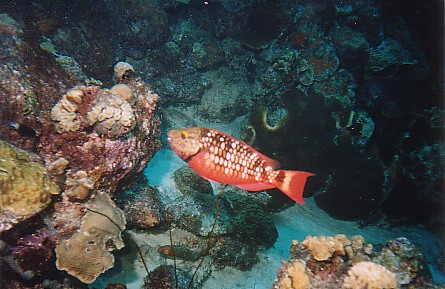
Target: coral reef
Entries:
(86, 254)
(339, 262)
(50, 107)
(25, 187)
(121, 135)
(292, 276)
(370, 275)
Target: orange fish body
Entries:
(219, 157)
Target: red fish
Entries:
(219, 157)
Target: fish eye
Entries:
(184, 135)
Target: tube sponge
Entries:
(369, 275)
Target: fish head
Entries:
(186, 142)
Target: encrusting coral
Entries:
(123, 91)
(292, 276)
(64, 112)
(111, 115)
(86, 254)
(369, 275)
(25, 188)
(323, 248)
(81, 185)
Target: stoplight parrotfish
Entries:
(220, 157)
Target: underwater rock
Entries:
(206, 56)
(34, 253)
(389, 54)
(196, 213)
(141, 26)
(164, 277)
(352, 48)
(188, 182)
(31, 81)
(181, 88)
(86, 254)
(140, 204)
(221, 101)
(229, 251)
(326, 143)
(25, 187)
(82, 46)
(251, 222)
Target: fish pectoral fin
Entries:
(254, 187)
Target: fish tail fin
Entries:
(292, 184)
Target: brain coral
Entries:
(111, 115)
(369, 275)
(25, 188)
(86, 254)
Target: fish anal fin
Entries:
(292, 184)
